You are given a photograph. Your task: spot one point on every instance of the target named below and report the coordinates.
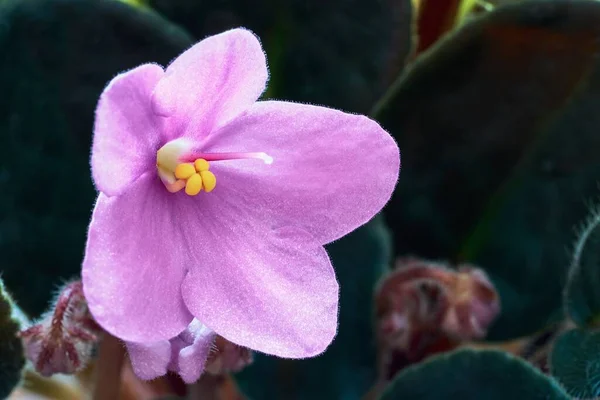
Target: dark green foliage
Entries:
(582, 293)
(575, 357)
(575, 363)
(347, 369)
(12, 359)
(57, 57)
(498, 128)
(474, 375)
(341, 53)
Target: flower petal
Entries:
(270, 290)
(211, 83)
(149, 360)
(331, 173)
(190, 360)
(134, 265)
(125, 131)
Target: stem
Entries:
(34, 385)
(111, 355)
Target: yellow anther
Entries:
(201, 165)
(209, 180)
(193, 185)
(166, 176)
(184, 171)
(168, 156)
(175, 187)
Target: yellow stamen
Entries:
(193, 185)
(209, 180)
(184, 171)
(177, 175)
(175, 187)
(201, 165)
(168, 156)
(166, 176)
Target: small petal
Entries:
(211, 83)
(273, 291)
(134, 264)
(149, 360)
(126, 133)
(331, 171)
(191, 359)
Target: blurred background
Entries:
(493, 105)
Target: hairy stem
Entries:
(111, 355)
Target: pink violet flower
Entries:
(216, 206)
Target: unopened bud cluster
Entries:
(424, 307)
(65, 339)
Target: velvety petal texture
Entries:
(149, 360)
(185, 354)
(247, 258)
(190, 351)
(270, 289)
(331, 173)
(212, 83)
(134, 264)
(125, 133)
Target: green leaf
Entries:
(575, 362)
(499, 135)
(58, 56)
(12, 359)
(476, 375)
(582, 293)
(348, 367)
(341, 53)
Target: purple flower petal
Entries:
(270, 290)
(134, 264)
(125, 131)
(149, 360)
(211, 83)
(331, 173)
(185, 354)
(246, 259)
(191, 352)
